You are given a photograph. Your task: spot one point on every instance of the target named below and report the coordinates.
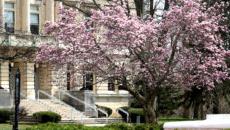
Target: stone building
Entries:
(22, 24)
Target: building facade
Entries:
(22, 24)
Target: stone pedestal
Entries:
(30, 81)
(4, 78)
(89, 99)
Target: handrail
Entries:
(79, 100)
(53, 98)
(126, 113)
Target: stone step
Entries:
(67, 112)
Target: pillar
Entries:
(5, 75)
(18, 16)
(1, 12)
(116, 86)
(25, 15)
(49, 10)
(94, 84)
(56, 9)
(30, 86)
(55, 79)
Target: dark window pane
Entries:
(122, 84)
(34, 23)
(34, 29)
(111, 84)
(9, 27)
(9, 21)
(88, 81)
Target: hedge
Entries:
(136, 111)
(114, 126)
(5, 115)
(47, 116)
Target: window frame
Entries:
(35, 12)
(14, 15)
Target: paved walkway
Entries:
(212, 122)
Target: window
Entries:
(111, 84)
(158, 7)
(88, 81)
(9, 17)
(34, 19)
(122, 83)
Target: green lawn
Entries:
(56, 126)
(9, 126)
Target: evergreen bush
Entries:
(4, 115)
(47, 116)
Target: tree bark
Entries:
(150, 111)
(199, 112)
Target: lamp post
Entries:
(16, 99)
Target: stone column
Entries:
(2, 12)
(41, 17)
(30, 81)
(18, 16)
(53, 81)
(94, 84)
(25, 18)
(56, 9)
(116, 86)
(5, 75)
(49, 15)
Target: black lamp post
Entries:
(16, 99)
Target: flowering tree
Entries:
(183, 49)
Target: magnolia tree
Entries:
(183, 49)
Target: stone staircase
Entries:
(67, 112)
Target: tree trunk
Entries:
(150, 112)
(199, 112)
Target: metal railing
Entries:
(125, 112)
(81, 101)
(24, 97)
(58, 101)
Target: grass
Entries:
(56, 126)
(9, 126)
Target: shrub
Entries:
(47, 116)
(114, 126)
(120, 126)
(22, 112)
(148, 127)
(54, 126)
(134, 112)
(4, 115)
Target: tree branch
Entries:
(170, 61)
(75, 7)
(97, 5)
